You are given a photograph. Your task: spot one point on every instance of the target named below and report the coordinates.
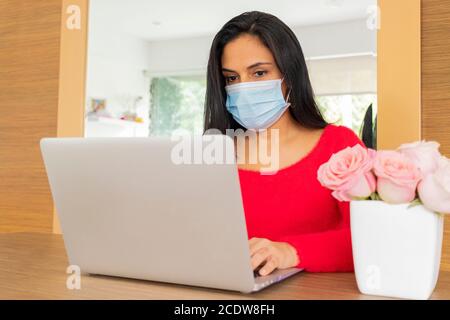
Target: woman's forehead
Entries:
(245, 51)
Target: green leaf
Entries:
(360, 198)
(415, 202)
(374, 196)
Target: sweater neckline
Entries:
(310, 153)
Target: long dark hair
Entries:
(288, 54)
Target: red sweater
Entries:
(291, 206)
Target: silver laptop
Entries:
(128, 209)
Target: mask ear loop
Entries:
(287, 98)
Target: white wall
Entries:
(346, 75)
(116, 65)
(338, 39)
(181, 56)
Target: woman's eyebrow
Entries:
(257, 64)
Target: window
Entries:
(347, 110)
(177, 103)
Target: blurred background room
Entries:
(146, 62)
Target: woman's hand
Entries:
(272, 255)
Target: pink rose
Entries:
(348, 173)
(397, 177)
(434, 189)
(425, 155)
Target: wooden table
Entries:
(33, 266)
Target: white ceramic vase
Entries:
(396, 249)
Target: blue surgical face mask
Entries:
(256, 105)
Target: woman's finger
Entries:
(259, 257)
(270, 265)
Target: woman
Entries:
(257, 79)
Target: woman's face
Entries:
(245, 59)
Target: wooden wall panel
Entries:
(436, 85)
(398, 65)
(72, 75)
(29, 72)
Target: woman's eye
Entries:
(260, 73)
(230, 79)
